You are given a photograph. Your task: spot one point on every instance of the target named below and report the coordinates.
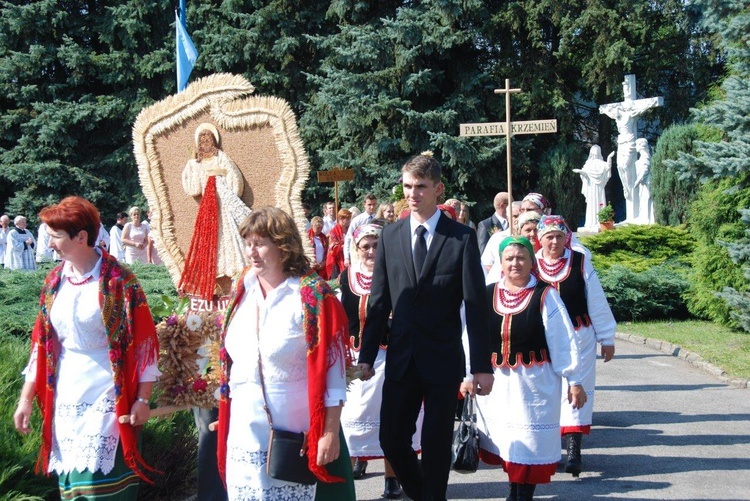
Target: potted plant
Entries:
(606, 216)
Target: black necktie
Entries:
(420, 250)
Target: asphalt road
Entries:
(663, 429)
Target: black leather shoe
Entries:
(392, 488)
(360, 467)
(526, 492)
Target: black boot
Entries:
(360, 467)
(573, 464)
(513, 492)
(392, 488)
(526, 492)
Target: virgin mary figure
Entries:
(595, 174)
(216, 248)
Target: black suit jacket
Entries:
(484, 227)
(426, 323)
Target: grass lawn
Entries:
(716, 344)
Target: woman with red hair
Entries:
(93, 358)
(335, 257)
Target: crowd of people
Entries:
(430, 308)
(127, 240)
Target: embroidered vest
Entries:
(355, 307)
(518, 338)
(572, 290)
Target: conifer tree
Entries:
(395, 85)
(729, 160)
(73, 76)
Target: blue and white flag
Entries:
(186, 54)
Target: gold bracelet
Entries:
(24, 401)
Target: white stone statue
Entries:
(645, 209)
(212, 162)
(595, 174)
(626, 115)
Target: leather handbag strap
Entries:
(469, 415)
(260, 366)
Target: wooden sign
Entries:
(334, 175)
(501, 129)
(516, 128)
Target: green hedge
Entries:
(648, 295)
(644, 270)
(639, 248)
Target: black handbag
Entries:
(287, 457)
(465, 450)
(287, 450)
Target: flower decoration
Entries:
(194, 322)
(188, 343)
(200, 385)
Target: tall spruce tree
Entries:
(729, 160)
(267, 41)
(73, 76)
(393, 85)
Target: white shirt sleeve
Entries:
(562, 339)
(600, 313)
(335, 385)
(29, 372)
(150, 374)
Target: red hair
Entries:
(72, 215)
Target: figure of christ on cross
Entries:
(626, 116)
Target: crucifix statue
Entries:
(626, 116)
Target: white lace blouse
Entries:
(85, 433)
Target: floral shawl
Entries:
(133, 346)
(326, 331)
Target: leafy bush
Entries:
(715, 221)
(638, 248)
(18, 453)
(652, 294)
(171, 446)
(643, 270)
(19, 300)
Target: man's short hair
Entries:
(371, 196)
(424, 166)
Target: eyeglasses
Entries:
(367, 247)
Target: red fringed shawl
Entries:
(326, 330)
(335, 256)
(133, 346)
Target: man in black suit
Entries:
(496, 222)
(425, 267)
